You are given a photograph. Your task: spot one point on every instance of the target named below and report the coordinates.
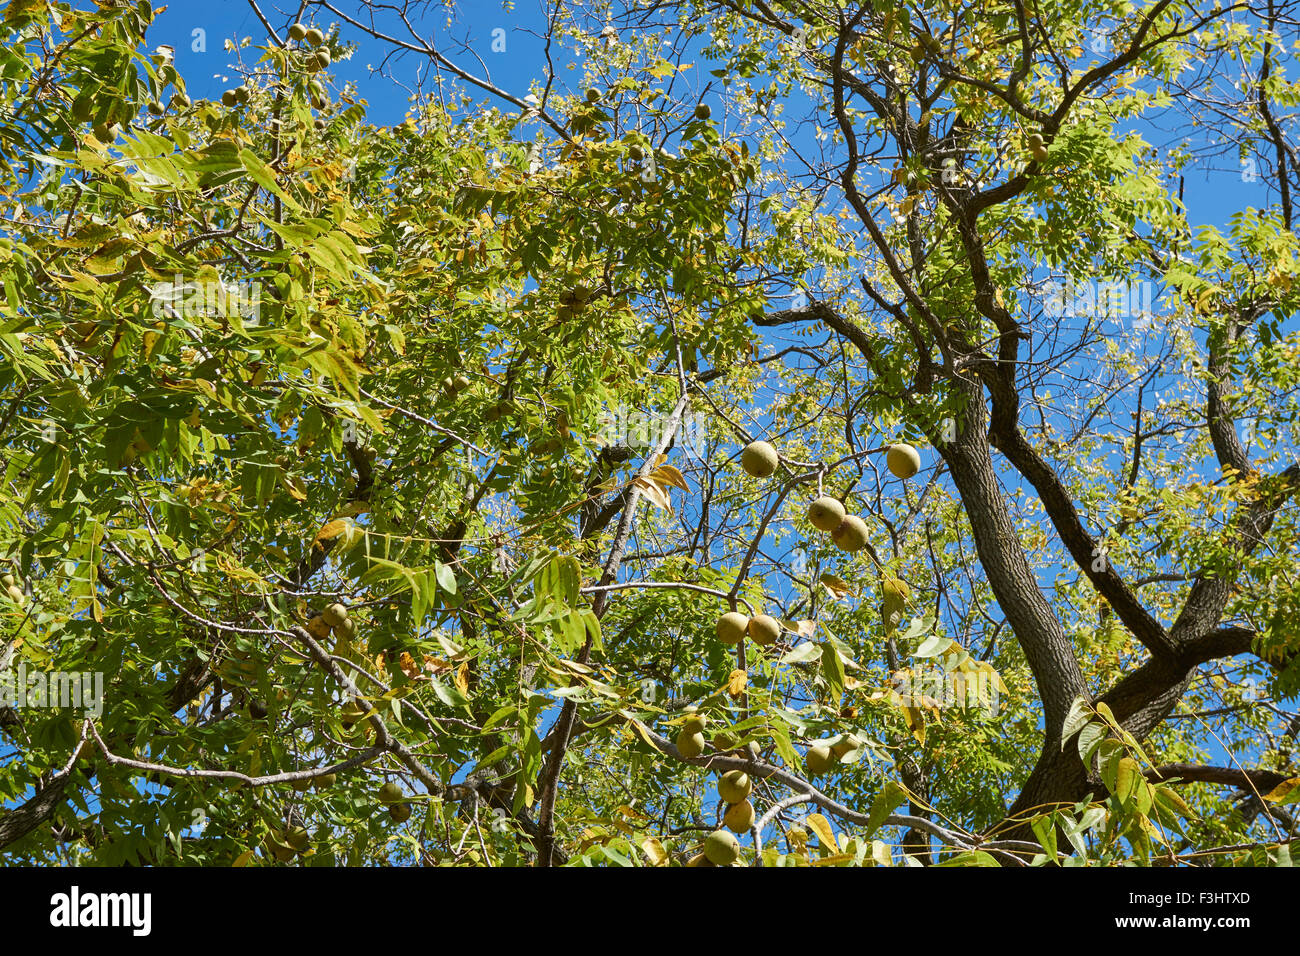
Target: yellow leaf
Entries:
(352, 509)
(736, 683)
(654, 851)
(640, 729)
(1279, 793)
(243, 858)
(293, 486)
(331, 530)
(805, 628)
(837, 586)
(822, 827)
(797, 836)
(462, 678)
(915, 723)
(406, 662)
(880, 854)
(653, 492)
(668, 475)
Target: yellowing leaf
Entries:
(294, 487)
(656, 495)
(654, 852)
(352, 509)
(915, 723)
(640, 729)
(736, 683)
(836, 586)
(668, 475)
(331, 530)
(407, 663)
(822, 827)
(1288, 791)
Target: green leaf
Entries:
(1079, 715)
(1044, 827)
(803, 653)
(933, 646)
(883, 805)
(833, 671)
(446, 577)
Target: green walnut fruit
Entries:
(826, 513)
(843, 746)
(731, 627)
(690, 746)
(818, 760)
(1038, 152)
(277, 845)
(702, 112)
(257, 710)
(734, 786)
(242, 94)
(302, 784)
(759, 459)
(322, 59)
(1036, 140)
(894, 596)
(155, 108)
(635, 153)
(400, 812)
(593, 95)
(297, 31)
(180, 102)
(721, 848)
(298, 838)
(334, 615)
(851, 534)
(314, 37)
(698, 859)
(739, 817)
(229, 98)
(693, 724)
(325, 781)
(391, 793)
(764, 630)
(317, 628)
(8, 580)
(903, 460)
(351, 713)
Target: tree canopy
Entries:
(380, 489)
